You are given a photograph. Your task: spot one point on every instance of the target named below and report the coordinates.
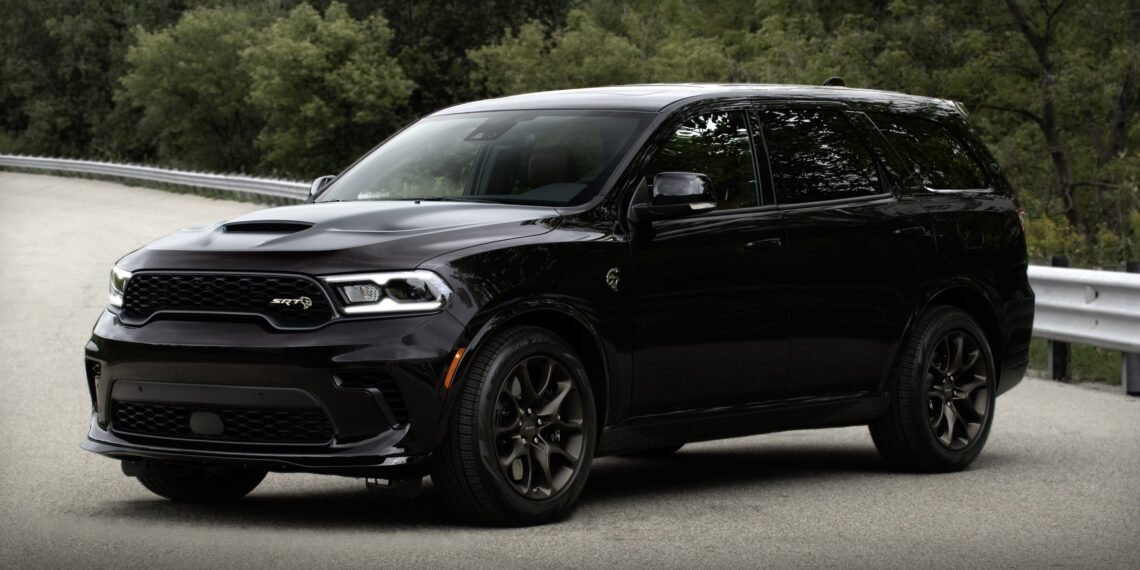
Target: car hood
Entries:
(340, 237)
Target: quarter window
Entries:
(816, 155)
(938, 157)
(717, 145)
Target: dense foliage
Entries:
(297, 89)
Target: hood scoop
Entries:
(267, 227)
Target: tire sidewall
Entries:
(533, 342)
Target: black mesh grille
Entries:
(239, 425)
(300, 302)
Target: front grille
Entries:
(300, 301)
(239, 425)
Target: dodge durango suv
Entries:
(508, 289)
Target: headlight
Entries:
(119, 278)
(396, 292)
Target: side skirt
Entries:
(661, 430)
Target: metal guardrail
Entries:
(1098, 308)
(237, 184)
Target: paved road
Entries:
(1059, 483)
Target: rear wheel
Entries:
(200, 485)
(943, 402)
(521, 438)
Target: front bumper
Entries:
(378, 382)
(374, 458)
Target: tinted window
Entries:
(530, 157)
(940, 159)
(718, 146)
(817, 155)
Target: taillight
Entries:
(1022, 218)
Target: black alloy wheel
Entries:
(520, 438)
(958, 403)
(942, 401)
(538, 427)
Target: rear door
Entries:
(857, 252)
(709, 302)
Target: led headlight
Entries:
(119, 278)
(395, 292)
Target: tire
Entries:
(656, 452)
(489, 468)
(195, 485)
(942, 407)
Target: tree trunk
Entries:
(1041, 42)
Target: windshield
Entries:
(555, 158)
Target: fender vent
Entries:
(266, 227)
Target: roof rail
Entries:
(834, 81)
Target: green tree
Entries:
(432, 40)
(327, 87)
(189, 82)
(606, 45)
(579, 55)
(60, 61)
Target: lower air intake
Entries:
(237, 425)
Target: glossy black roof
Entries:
(657, 97)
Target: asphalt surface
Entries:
(1059, 482)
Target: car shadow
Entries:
(697, 470)
(613, 481)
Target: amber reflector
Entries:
(451, 369)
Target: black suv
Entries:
(507, 289)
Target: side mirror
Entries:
(675, 195)
(318, 185)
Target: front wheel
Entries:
(521, 437)
(943, 402)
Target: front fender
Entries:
(528, 310)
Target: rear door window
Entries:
(816, 155)
(935, 155)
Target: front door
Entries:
(709, 302)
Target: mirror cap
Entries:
(681, 188)
(319, 184)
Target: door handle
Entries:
(913, 231)
(769, 243)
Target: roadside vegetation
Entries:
(298, 89)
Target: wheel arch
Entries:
(560, 318)
(978, 305)
(975, 301)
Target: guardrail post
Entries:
(1130, 371)
(1060, 353)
